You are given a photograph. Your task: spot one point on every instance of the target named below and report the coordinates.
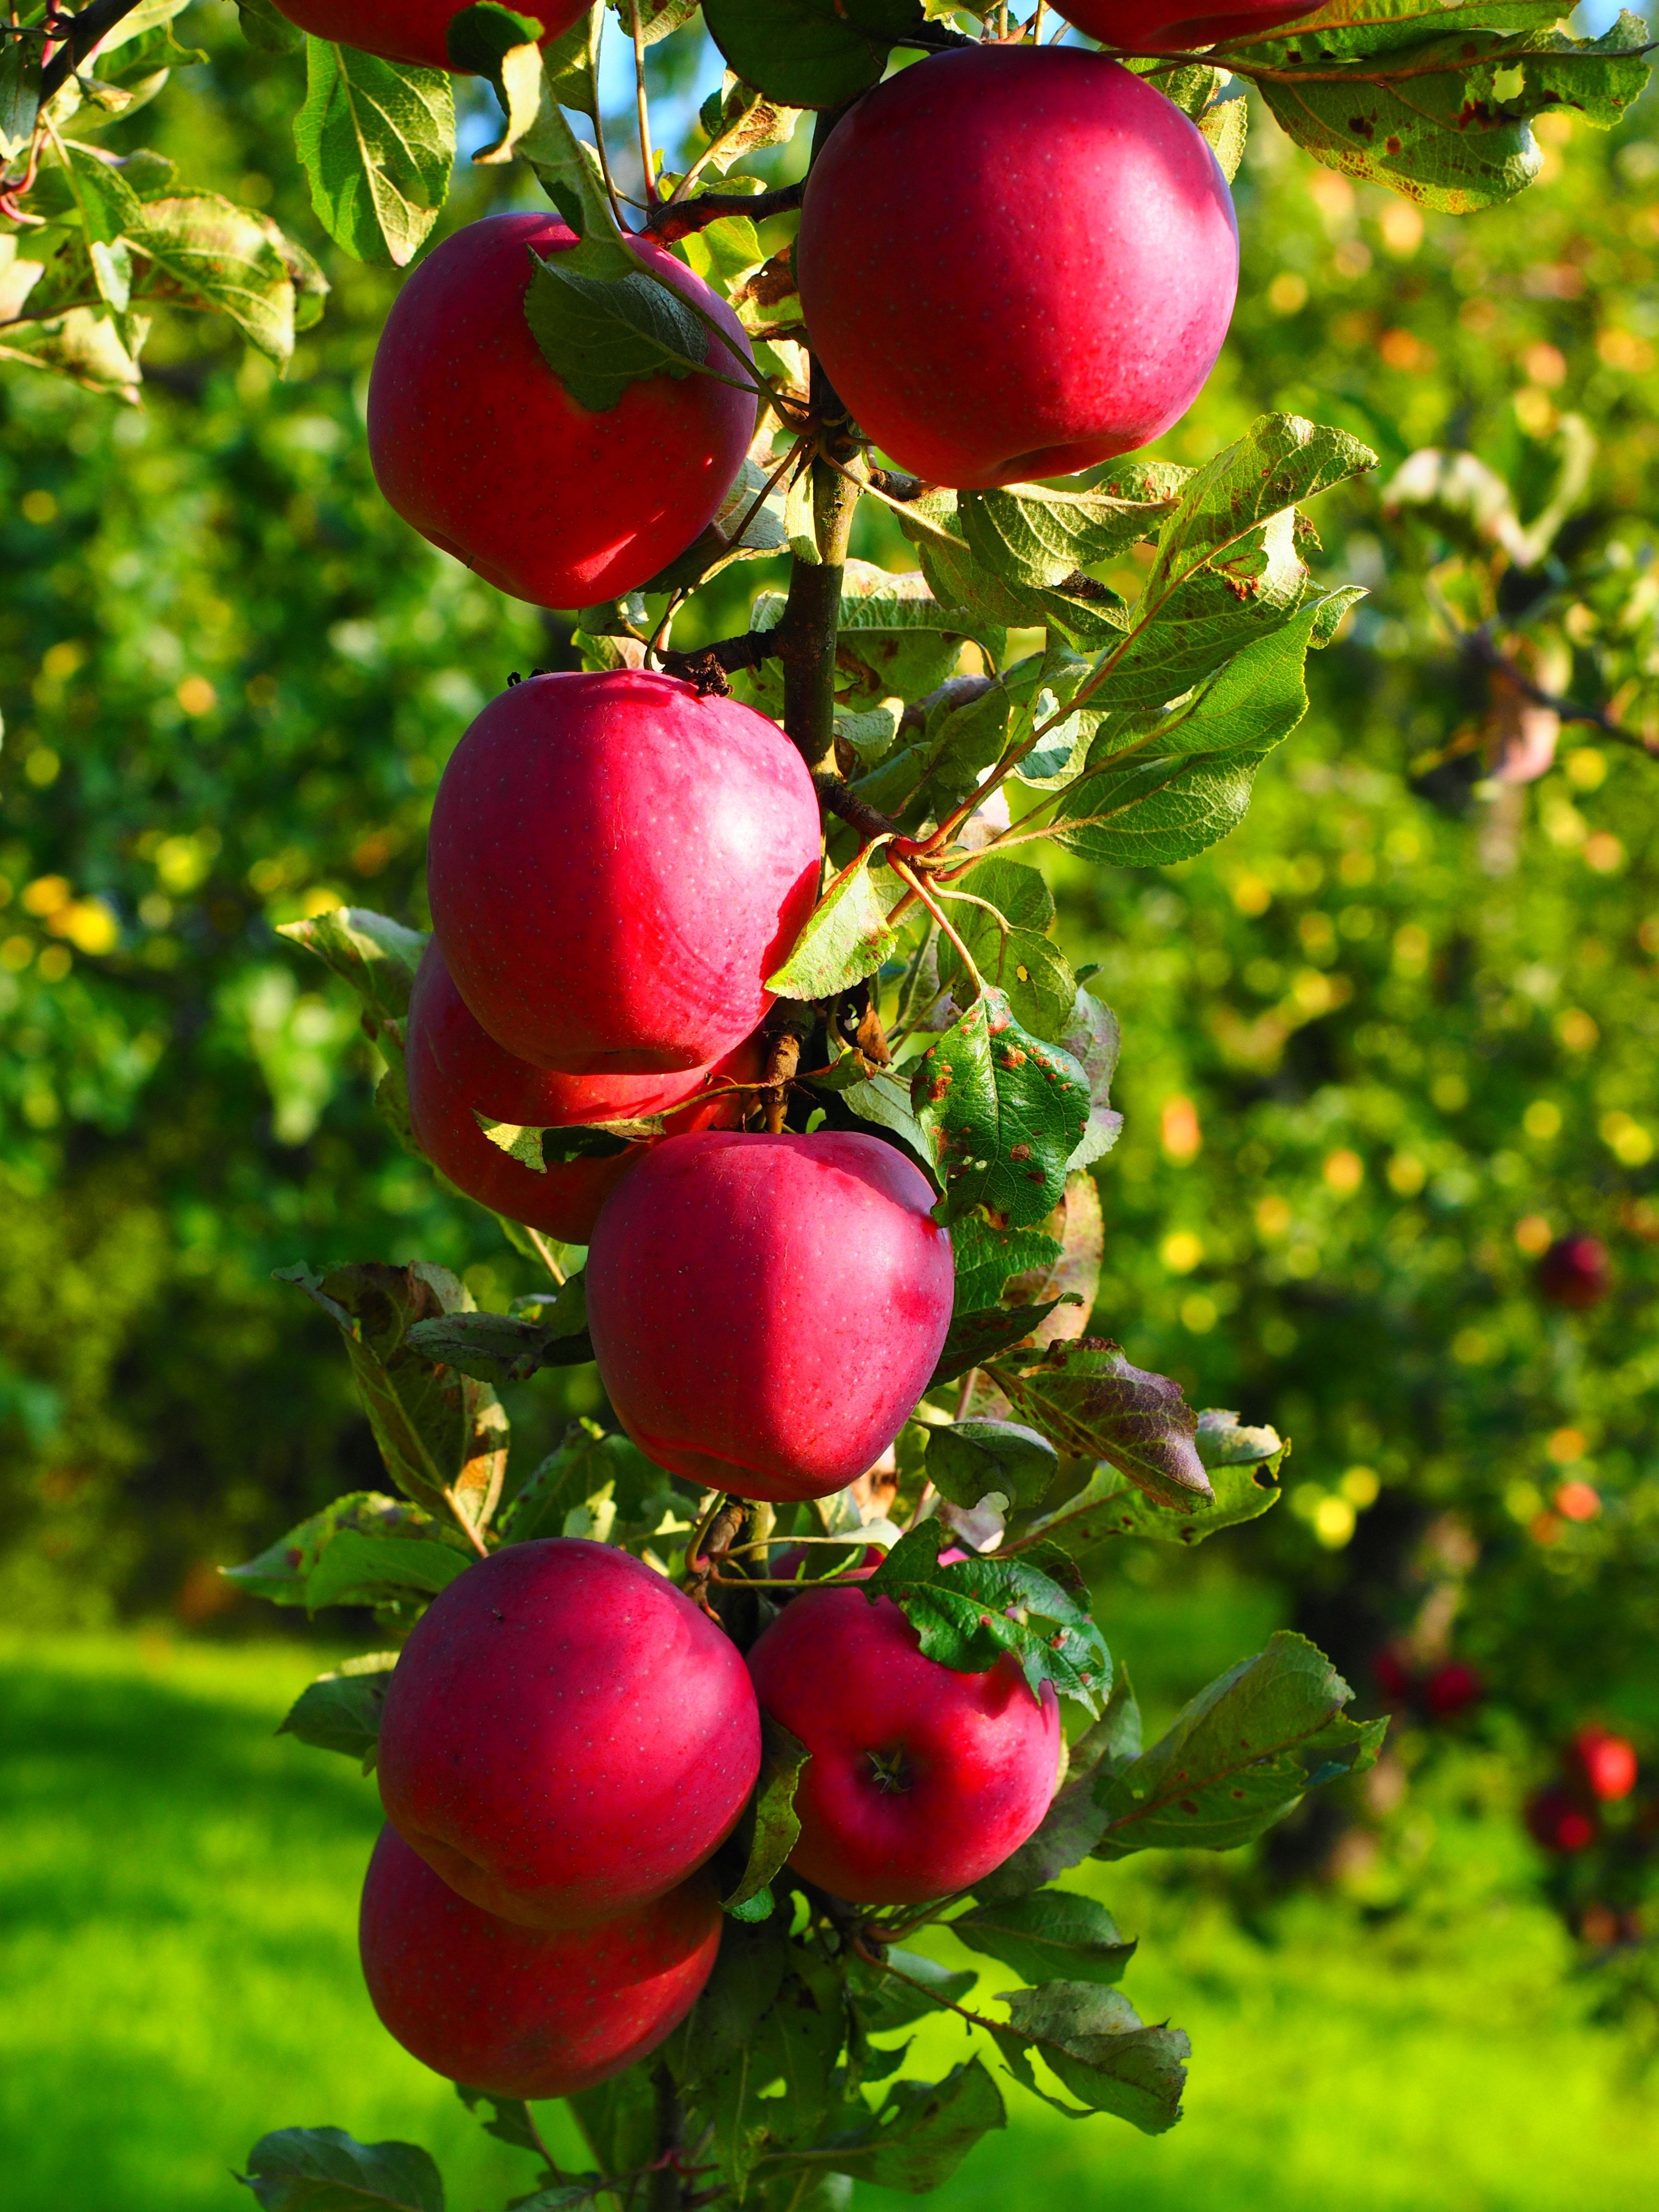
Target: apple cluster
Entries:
(1598, 1769)
(1014, 262)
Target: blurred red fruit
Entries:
(1452, 1688)
(1603, 1764)
(1574, 1272)
(1556, 1820)
(1392, 1675)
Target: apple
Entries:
(408, 30)
(616, 866)
(1574, 1272)
(524, 2012)
(1015, 262)
(1393, 1677)
(476, 443)
(766, 1310)
(1134, 29)
(921, 1779)
(1603, 1764)
(454, 1065)
(565, 1737)
(1452, 1688)
(1556, 1820)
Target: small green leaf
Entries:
(266, 28)
(770, 1827)
(810, 53)
(1074, 1822)
(919, 2136)
(1096, 2042)
(510, 1347)
(1091, 1404)
(968, 1460)
(846, 937)
(376, 956)
(1238, 1756)
(340, 1711)
(1014, 953)
(1039, 538)
(20, 94)
(325, 2170)
(500, 45)
(1109, 1504)
(591, 1475)
(1048, 1935)
(599, 335)
(977, 1337)
(282, 1571)
(987, 1259)
(442, 1435)
(1005, 1112)
(377, 142)
(967, 1615)
(1226, 125)
(885, 2002)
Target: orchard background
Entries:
(1385, 1042)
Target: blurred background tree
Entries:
(1386, 1042)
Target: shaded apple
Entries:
(1015, 263)
(1557, 1819)
(921, 1779)
(1574, 1272)
(565, 1737)
(615, 867)
(1134, 29)
(1452, 1688)
(476, 442)
(454, 1065)
(527, 2012)
(766, 1310)
(408, 30)
(1603, 1764)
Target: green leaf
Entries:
(1451, 127)
(500, 45)
(1020, 959)
(1005, 1113)
(1110, 1505)
(1159, 789)
(987, 1259)
(976, 1337)
(359, 1570)
(1238, 1756)
(599, 335)
(895, 640)
(1224, 1443)
(1050, 1935)
(770, 1829)
(282, 1571)
(1074, 1822)
(810, 53)
(204, 251)
(266, 28)
(20, 95)
(921, 783)
(618, 2118)
(846, 937)
(510, 1347)
(1096, 2042)
(1039, 538)
(968, 1460)
(919, 2135)
(377, 142)
(340, 1711)
(884, 1103)
(1226, 125)
(595, 1485)
(968, 1613)
(1091, 1404)
(1093, 1038)
(325, 2170)
(885, 2002)
(376, 956)
(442, 1435)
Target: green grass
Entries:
(178, 1974)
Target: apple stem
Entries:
(678, 218)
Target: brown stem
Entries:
(813, 615)
(673, 219)
(782, 1061)
(835, 795)
(1480, 646)
(709, 666)
(667, 2194)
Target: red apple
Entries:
(524, 2012)
(1016, 262)
(1574, 1272)
(453, 1065)
(615, 867)
(1602, 1764)
(1556, 1820)
(1134, 29)
(921, 1779)
(766, 1310)
(408, 30)
(1452, 1688)
(476, 443)
(565, 1737)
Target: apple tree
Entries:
(741, 1015)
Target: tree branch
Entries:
(1479, 645)
(677, 218)
(708, 666)
(83, 33)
